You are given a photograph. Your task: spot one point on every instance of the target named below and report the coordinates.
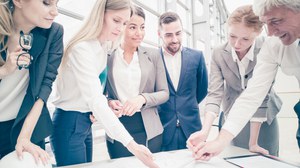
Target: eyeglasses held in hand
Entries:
(25, 42)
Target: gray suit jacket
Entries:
(225, 84)
(153, 87)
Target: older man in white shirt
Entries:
(282, 20)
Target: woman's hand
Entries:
(93, 118)
(133, 105)
(10, 64)
(24, 144)
(195, 138)
(116, 107)
(142, 153)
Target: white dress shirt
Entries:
(244, 63)
(272, 55)
(173, 65)
(127, 76)
(12, 92)
(79, 88)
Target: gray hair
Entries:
(262, 6)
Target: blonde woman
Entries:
(27, 75)
(80, 93)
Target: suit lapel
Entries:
(39, 42)
(171, 86)
(184, 64)
(144, 65)
(253, 63)
(226, 54)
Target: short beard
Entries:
(172, 50)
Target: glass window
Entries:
(187, 3)
(73, 7)
(198, 8)
(71, 26)
(77, 6)
(200, 45)
(151, 27)
(151, 4)
(184, 15)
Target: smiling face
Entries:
(283, 23)
(114, 24)
(171, 35)
(36, 13)
(135, 31)
(241, 37)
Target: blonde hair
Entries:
(6, 23)
(245, 15)
(93, 25)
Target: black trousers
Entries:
(5, 142)
(135, 126)
(6, 145)
(297, 110)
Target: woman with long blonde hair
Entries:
(80, 93)
(31, 48)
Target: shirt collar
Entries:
(249, 55)
(121, 53)
(168, 54)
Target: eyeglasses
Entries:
(25, 42)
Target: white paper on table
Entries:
(173, 159)
(258, 161)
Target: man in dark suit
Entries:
(187, 82)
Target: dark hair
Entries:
(139, 11)
(168, 17)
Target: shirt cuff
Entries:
(257, 119)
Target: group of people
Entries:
(147, 99)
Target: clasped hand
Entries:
(11, 63)
(201, 149)
(129, 108)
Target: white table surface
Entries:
(171, 159)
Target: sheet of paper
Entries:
(259, 162)
(176, 159)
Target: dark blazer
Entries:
(47, 51)
(153, 87)
(183, 103)
(297, 110)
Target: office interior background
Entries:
(204, 27)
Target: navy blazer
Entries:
(183, 103)
(297, 110)
(47, 51)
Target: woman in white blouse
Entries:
(136, 85)
(80, 93)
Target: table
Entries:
(171, 159)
